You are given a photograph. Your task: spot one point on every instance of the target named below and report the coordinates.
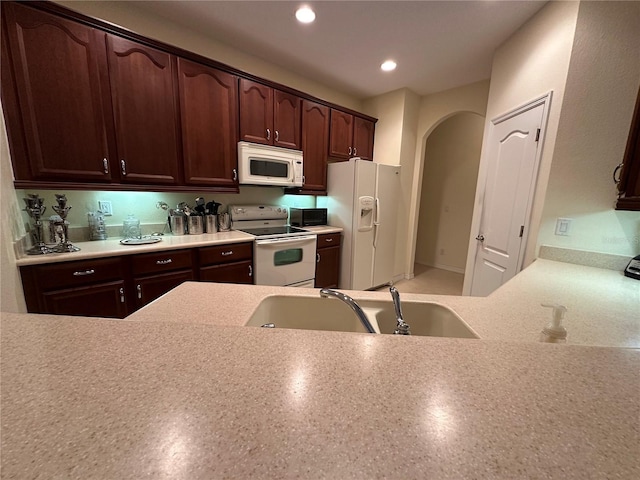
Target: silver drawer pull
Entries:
(328, 239)
(163, 262)
(225, 254)
(82, 274)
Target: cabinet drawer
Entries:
(226, 253)
(83, 272)
(166, 261)
(329, 240)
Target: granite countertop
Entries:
(181, 389)
(112, 247)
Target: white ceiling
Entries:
(437, 44)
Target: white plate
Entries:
(140, 241)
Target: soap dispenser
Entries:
(554, 332)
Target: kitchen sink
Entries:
(308, 313)
(315, 313)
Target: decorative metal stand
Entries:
(63, 226)
(35, 208)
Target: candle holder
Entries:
(35, 208)
(62, 210)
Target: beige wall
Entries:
(602, 85)
(533, 62)
(397, 114)
(433, 110)
(448, 189)
(126, 15)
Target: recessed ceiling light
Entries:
(388, 65)
(305, 15)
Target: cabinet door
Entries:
(315, 144)
(363, 132)
(64, 112)
(209, 119)
(102, 300)
(147, 289)
(256, 112)
(239, 272)
(286, 120)
(328, 267)
(629, 186)
(341, 135)
(143, 96)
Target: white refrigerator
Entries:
(362, 198)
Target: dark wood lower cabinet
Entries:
(102, 300)
(116, 286)
(328, 261)
(147, 289)
(239, 272)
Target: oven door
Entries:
(285, 260)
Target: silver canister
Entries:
(210, 224)
(195, 226)
(224, 222)
(177, 225)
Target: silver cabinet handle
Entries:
(615, 171)
(121, 295)
(277, 135)
(226, 254)
(304, 179)
(268, 134)
(163, 262)
(250, 271)
(328, 240)
(82, 274)
(355, 150)
(480, 238)
(139, 290)
(105, 165)
(349, 151)
(235, 175)
(123, 167)
(317, 258)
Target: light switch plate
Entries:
(105, 207)
(563, 225)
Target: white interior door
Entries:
(512, 166)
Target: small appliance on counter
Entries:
(307, 217)
(97, 227)
(633, 269)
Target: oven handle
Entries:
(280, 241)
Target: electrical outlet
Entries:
(563, 225)
(105, 207)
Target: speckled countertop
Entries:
(194, 395)
(112, 247)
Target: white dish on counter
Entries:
(140, 241)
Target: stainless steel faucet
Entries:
(327, 292)
(402, 328)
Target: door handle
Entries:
(123, 167)
(235, 175)
(105, 165)
(480, 238)
(250, 271)
(349, 151)
(268, 134)
(139, 290)
(277, 136)
(317, 258)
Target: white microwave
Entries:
(267, 165)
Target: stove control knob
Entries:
(279, 210)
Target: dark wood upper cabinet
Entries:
(269, 116)
(341, 136)
(350, 136)
(144, 107)
(315, 144)
(286, 120)
(629, 185)
(63, 116)
(209, 120)
(363, 132)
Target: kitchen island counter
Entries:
(101, 398)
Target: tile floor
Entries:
(432, 280)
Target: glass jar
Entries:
(131, 227)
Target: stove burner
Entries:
(261, 232)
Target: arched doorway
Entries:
(451, 161)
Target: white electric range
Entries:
(282, 255)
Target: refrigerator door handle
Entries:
(376, 223)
